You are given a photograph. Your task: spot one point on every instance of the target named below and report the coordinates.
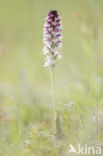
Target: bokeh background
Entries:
(25, 91)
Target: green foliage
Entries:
(26, 117)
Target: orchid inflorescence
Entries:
(52, 38)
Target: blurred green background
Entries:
(25, 96)
(21, 34)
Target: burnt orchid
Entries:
(53, 42)
(52, 38)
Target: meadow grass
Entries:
(26, 126)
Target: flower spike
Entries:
(52, 38)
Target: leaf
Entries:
(58, 127)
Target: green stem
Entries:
(53, 92)
(55, 113)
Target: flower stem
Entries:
(53, 92)
(55, 112)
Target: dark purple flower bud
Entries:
(52, 37)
